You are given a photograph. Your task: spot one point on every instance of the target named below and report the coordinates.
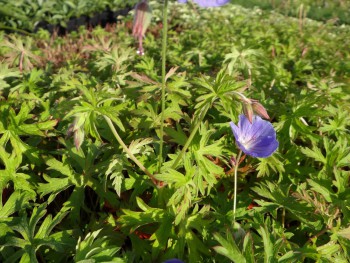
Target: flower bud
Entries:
(251, 106)
(78, 138)
(260, 110)
(142, 19)
(248, 111)
(76, 129)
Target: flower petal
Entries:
(173, 260)
(235, 130)
(261, 128)
(244, 124)
(211, 3)
(264, 148)
(257, 139)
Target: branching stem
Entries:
(127, 150)
(310, 240)
(190, 138)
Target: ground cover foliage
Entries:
(70, 192)
(29, 15)
(338, 10)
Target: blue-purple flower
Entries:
(173, 260)
(207, 3)
(257, 139)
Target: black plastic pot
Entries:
(71, 25)
(75, 22)
(81, 21)
(93, 21)
(102, 19)
(41, 24)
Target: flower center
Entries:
(248, 141)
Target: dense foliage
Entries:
(28, 14)
(71, 193)
(336, 11)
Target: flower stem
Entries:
(164, 46)
(190, 138)
(126, 149)
(235, 185)
(244, 98)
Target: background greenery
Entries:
(27, 14)
(69, 193)
(338, 11)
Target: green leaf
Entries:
(229, 249)
(63, 168)
(299, 254)
(48, 224)
(161, 236)
(177, 135)
(5, 73)
(322, 188)
(53, 186)
(248, 249)
(140, 145)
(269, 246)
(133, 220)
(345, 232)
(16, 202)
(268, 165)
(172, 176)
(95, 248)
(315, 153)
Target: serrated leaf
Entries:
(170, 73)
(271, 163)
(345, 232)
(172, 176)
(117, 182)
(48, 224)
(18, 200)
(53, 186)
(138, 146)
(177, 135)
(322, 188)
(248, 249)
(269, 246)
(60, 167)
(315, 153)
(229, 249)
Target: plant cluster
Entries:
(336, 11)
(89, 172)
(28, 14)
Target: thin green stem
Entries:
(164, 46)
(244, 98)
(235, 185)
(190, 138)
(126, 149)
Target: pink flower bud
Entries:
(248, 111)
(142, 19)
(78, 138)
(260, 110)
